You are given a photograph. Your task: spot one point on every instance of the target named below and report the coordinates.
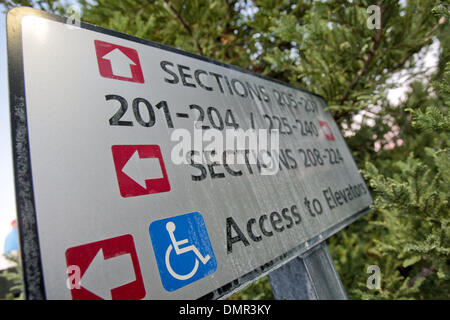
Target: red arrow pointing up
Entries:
(118, 62)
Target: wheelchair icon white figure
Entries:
(170, 227)
(183, 250)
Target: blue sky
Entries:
(7, 193)
(7, 196)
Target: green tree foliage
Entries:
(410, 232)
(413, 205)
(327, 47)
(14, 276)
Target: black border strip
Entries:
(28, 229)
(33, 280)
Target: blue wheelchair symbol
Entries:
(182, 250)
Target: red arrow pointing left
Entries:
(140, 170)
(121, 279)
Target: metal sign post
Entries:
(311, 276)
(146, 172)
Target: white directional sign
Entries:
(145, 172)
